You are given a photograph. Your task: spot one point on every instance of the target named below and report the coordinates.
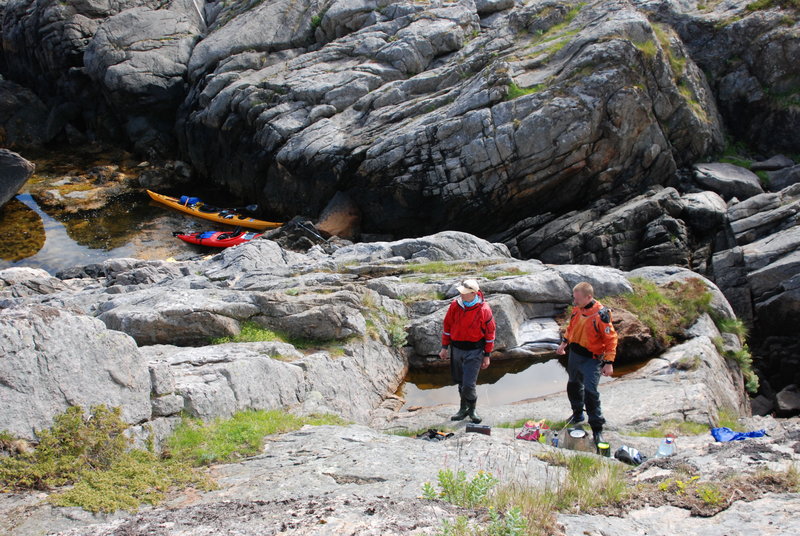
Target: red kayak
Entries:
(218, 239)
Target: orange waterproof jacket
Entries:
(469, 324)
(591, 328)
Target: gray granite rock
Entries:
(14, 173)
(54, 359)
(728, 180)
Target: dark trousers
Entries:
(584, 377)
(464, 366)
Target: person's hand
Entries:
(561, 348)
(486, 362)
(608, 370)
(443, 353)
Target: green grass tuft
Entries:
(733, 325)
(678, 428)
(667, 311)
(251, 332)
(226, 440)
(514, 91)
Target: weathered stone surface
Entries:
(605, 234)
(775, 163)
(741, 518)
(55, 359)
(703, 209)
(14, 172)
(21, 282)
(789, 401)
(605, 281)
(544, 286)
(23, 118)
(405, 107)
(748, 56)
(728, 180)
(778, 180)
(444, 246)
(139, 58)
(340, 217)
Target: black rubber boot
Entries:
(597, 432)
(462, 412)
(471, 413)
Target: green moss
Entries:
(515, 91)
(760, 5)
(226, 440)
(136, 478)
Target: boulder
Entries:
(774, 163)
(605, 281)
(444, 246)
(341, 217)
(54, 359)
(217, 381)
(545, 286)
(703, 209)
(23, 118)
(728, 180)
(14, 173)
(778, 180)
(788, 401)
(487, 7)
(635, 341)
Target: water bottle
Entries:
(666, 448)
(554, 442)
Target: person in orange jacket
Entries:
(592, 342)
(468, 337)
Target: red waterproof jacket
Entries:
(469, 324)
(591, 328)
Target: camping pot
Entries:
(577, 439)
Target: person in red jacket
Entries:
(592, 342)
(468, 338)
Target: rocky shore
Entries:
(136, 334)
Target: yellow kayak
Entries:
(195, 207)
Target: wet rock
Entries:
(14, 173)
(55, 359)
(728, 180)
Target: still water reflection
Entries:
(502, 383)
(131, 226)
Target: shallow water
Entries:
(132, 226)
(504, 382)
